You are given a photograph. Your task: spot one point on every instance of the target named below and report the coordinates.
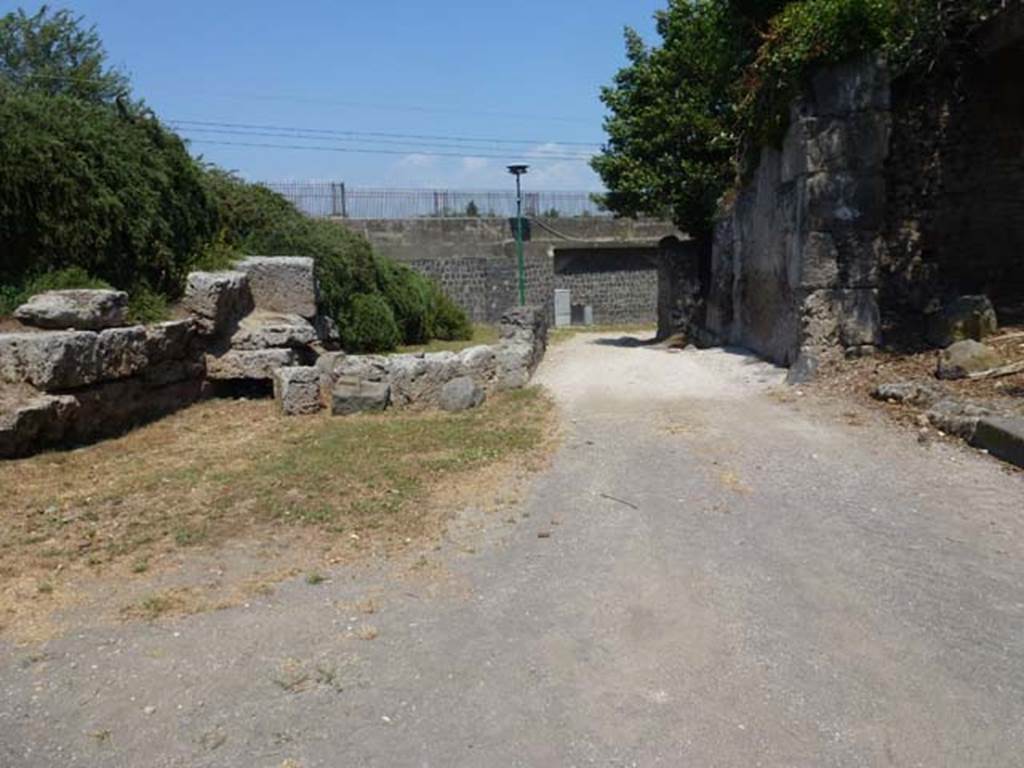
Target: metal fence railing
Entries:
(331, 199)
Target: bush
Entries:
(449, 321)
(86, 186)
(411, 297)
(370, 325)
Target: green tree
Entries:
(672, 123)
(57, 54)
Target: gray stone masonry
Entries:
(85, 310)
(794, 263)
(284, 284)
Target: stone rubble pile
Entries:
(78, 371)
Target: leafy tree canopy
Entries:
(687, 116)
(55, 53)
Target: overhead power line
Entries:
(382, 134)
(355, 150)
(409, 145)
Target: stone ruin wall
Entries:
(887, 206)
(794, 264)
(256, 327)
(955, 178)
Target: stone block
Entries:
(418, 379)
(297, 390)
(956, 418)
(51, 360)
(859, 85)
(845, 199)
(121, 352)
(86, 310)
(271, 330)
(172, 340)
(960, 360)
(478, 362)
(513, 361)
(34, 423)
(966, 317)
(218, 300)
(252, 364)
(352, 395)
(909, 392)
(461, 394)
(284, 284)
(1002, 438)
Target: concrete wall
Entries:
(794, 264)
(474, 260)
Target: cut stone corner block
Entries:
(218, 300)
(297, 390)
(351, 395)
(285, 284)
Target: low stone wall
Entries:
(351, 383)
(98, 376)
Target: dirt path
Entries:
(704, 576)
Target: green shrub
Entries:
(370, 325)
(146, 305)
(411, 297)
(86, 186)
(449, 321)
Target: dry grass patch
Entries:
(238, 470)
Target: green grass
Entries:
(482, 334)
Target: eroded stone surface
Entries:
(258, 364)
(967, 357)
(283, 284)
(88, 310)
(218, 300)
(461, 394)
(49, 361)
(37, 421)
(354, 395)
(967, 317)
(297, 390)
(269, 330)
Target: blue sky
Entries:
(527, 71)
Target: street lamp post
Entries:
(518, 171)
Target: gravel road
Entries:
(708, 574)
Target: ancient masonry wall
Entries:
(794, 267)
(474, 261)
(955, 175)
(78, 372)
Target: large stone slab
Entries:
(254, 364)
(354, 395)
(416, 380)
(297, 390)
(173, 340)
(1001, 437)
(88, 310)
(51, 360)
(34, 423)
(218, 300)
(285, 284)
(270, 330)
(121, 352)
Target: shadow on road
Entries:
(625, 341)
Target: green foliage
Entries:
(86, 186)
(411, 298)
(449, 321)
(54, 53)
(686, 114)
(471, 210)
(146, 305)
(671, 129)
(370, 324)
